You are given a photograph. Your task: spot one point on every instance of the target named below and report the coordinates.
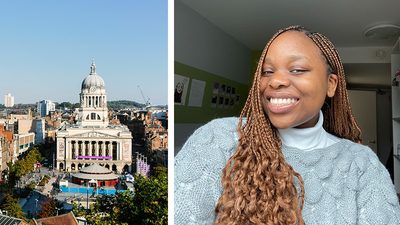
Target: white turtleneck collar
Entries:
(308, 139)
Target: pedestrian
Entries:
(293, 156)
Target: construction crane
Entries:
(146, 102)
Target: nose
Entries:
(278, 80)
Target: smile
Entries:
(281, 105)
(282, 101)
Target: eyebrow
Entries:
(292, 58)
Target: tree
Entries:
(65, 105)
(48, 208)
(151, 197)
(10, 204)
(24, 165)
(78, 210)
(148, 204)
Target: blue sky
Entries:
(46, 48)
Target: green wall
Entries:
(205, 113)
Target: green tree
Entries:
(65, 105)
(76, 105)
(23, 166)
(78, 210)
(151, 197)
(148, 204)
(10, 204)
(14, 174)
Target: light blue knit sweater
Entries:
(344, 183)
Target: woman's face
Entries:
(295, 81)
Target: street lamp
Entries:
(87, 197)
(36, 209)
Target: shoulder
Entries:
(358, 157)
(218, 134)
(377, 201)
(227, 124)
(198, 170)
(209, 147)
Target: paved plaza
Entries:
(31, 204)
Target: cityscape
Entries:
(64, 160)
(83, 113)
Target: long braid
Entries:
(337, 119)
(259, 185)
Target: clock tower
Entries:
(93, 98)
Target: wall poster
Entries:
(181, 84)
(196, 93)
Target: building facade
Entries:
(8, 100)
(22, 142)
(39, 126)
(44, 107)
(92, 140)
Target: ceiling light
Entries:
(382, 32)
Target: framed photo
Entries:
(181, 84)
(215, 88)
(214, 100)
(222, 89)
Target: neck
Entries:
(307, 138)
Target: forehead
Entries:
(294, 42)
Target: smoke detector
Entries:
(383, 32)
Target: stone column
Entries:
(96, 146)
(103, 148)
(110, 151)
(82, 147)
(76, 148)
(90, 148)
(68, 149)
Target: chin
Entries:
(281, 124)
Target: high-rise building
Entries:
(92, 140)
(44, 107)
(8, 100)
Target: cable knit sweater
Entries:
(344, 183)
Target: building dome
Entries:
(93, 80)
(95, 169)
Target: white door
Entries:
(363, 105)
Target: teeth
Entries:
(282, 101)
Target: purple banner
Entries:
(92, 157)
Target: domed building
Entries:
(92, 139)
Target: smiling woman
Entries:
(292, 157)
(293, 85)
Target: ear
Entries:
(332, 84)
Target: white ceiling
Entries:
(253, 22)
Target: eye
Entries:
(298, 71)
(267, 72)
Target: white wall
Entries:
(365, 54)
(200, 44)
